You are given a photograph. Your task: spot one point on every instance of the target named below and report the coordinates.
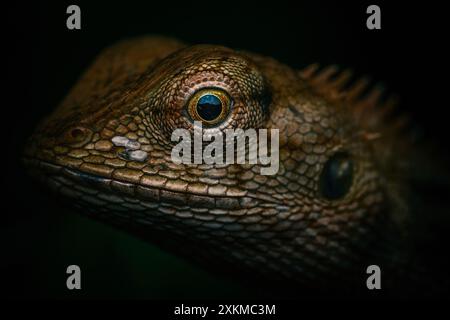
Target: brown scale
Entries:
(280, 226)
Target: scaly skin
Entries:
(279, 226)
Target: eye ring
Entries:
(210, 106)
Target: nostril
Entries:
(78, 135)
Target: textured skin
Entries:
(279, 226)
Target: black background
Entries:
(40, 238)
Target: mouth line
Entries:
(59, 176)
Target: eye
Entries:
(210, 106)
(336, 177)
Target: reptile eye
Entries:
(210, 106)
(337, 176)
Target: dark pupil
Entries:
(337, 176)
(209, 107)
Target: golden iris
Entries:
(210, 106)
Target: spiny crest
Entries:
(373, 111)
(371, 108)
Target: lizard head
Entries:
(109, 147)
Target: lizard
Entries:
(319, 220)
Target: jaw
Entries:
(115, 199)
(246, 235)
